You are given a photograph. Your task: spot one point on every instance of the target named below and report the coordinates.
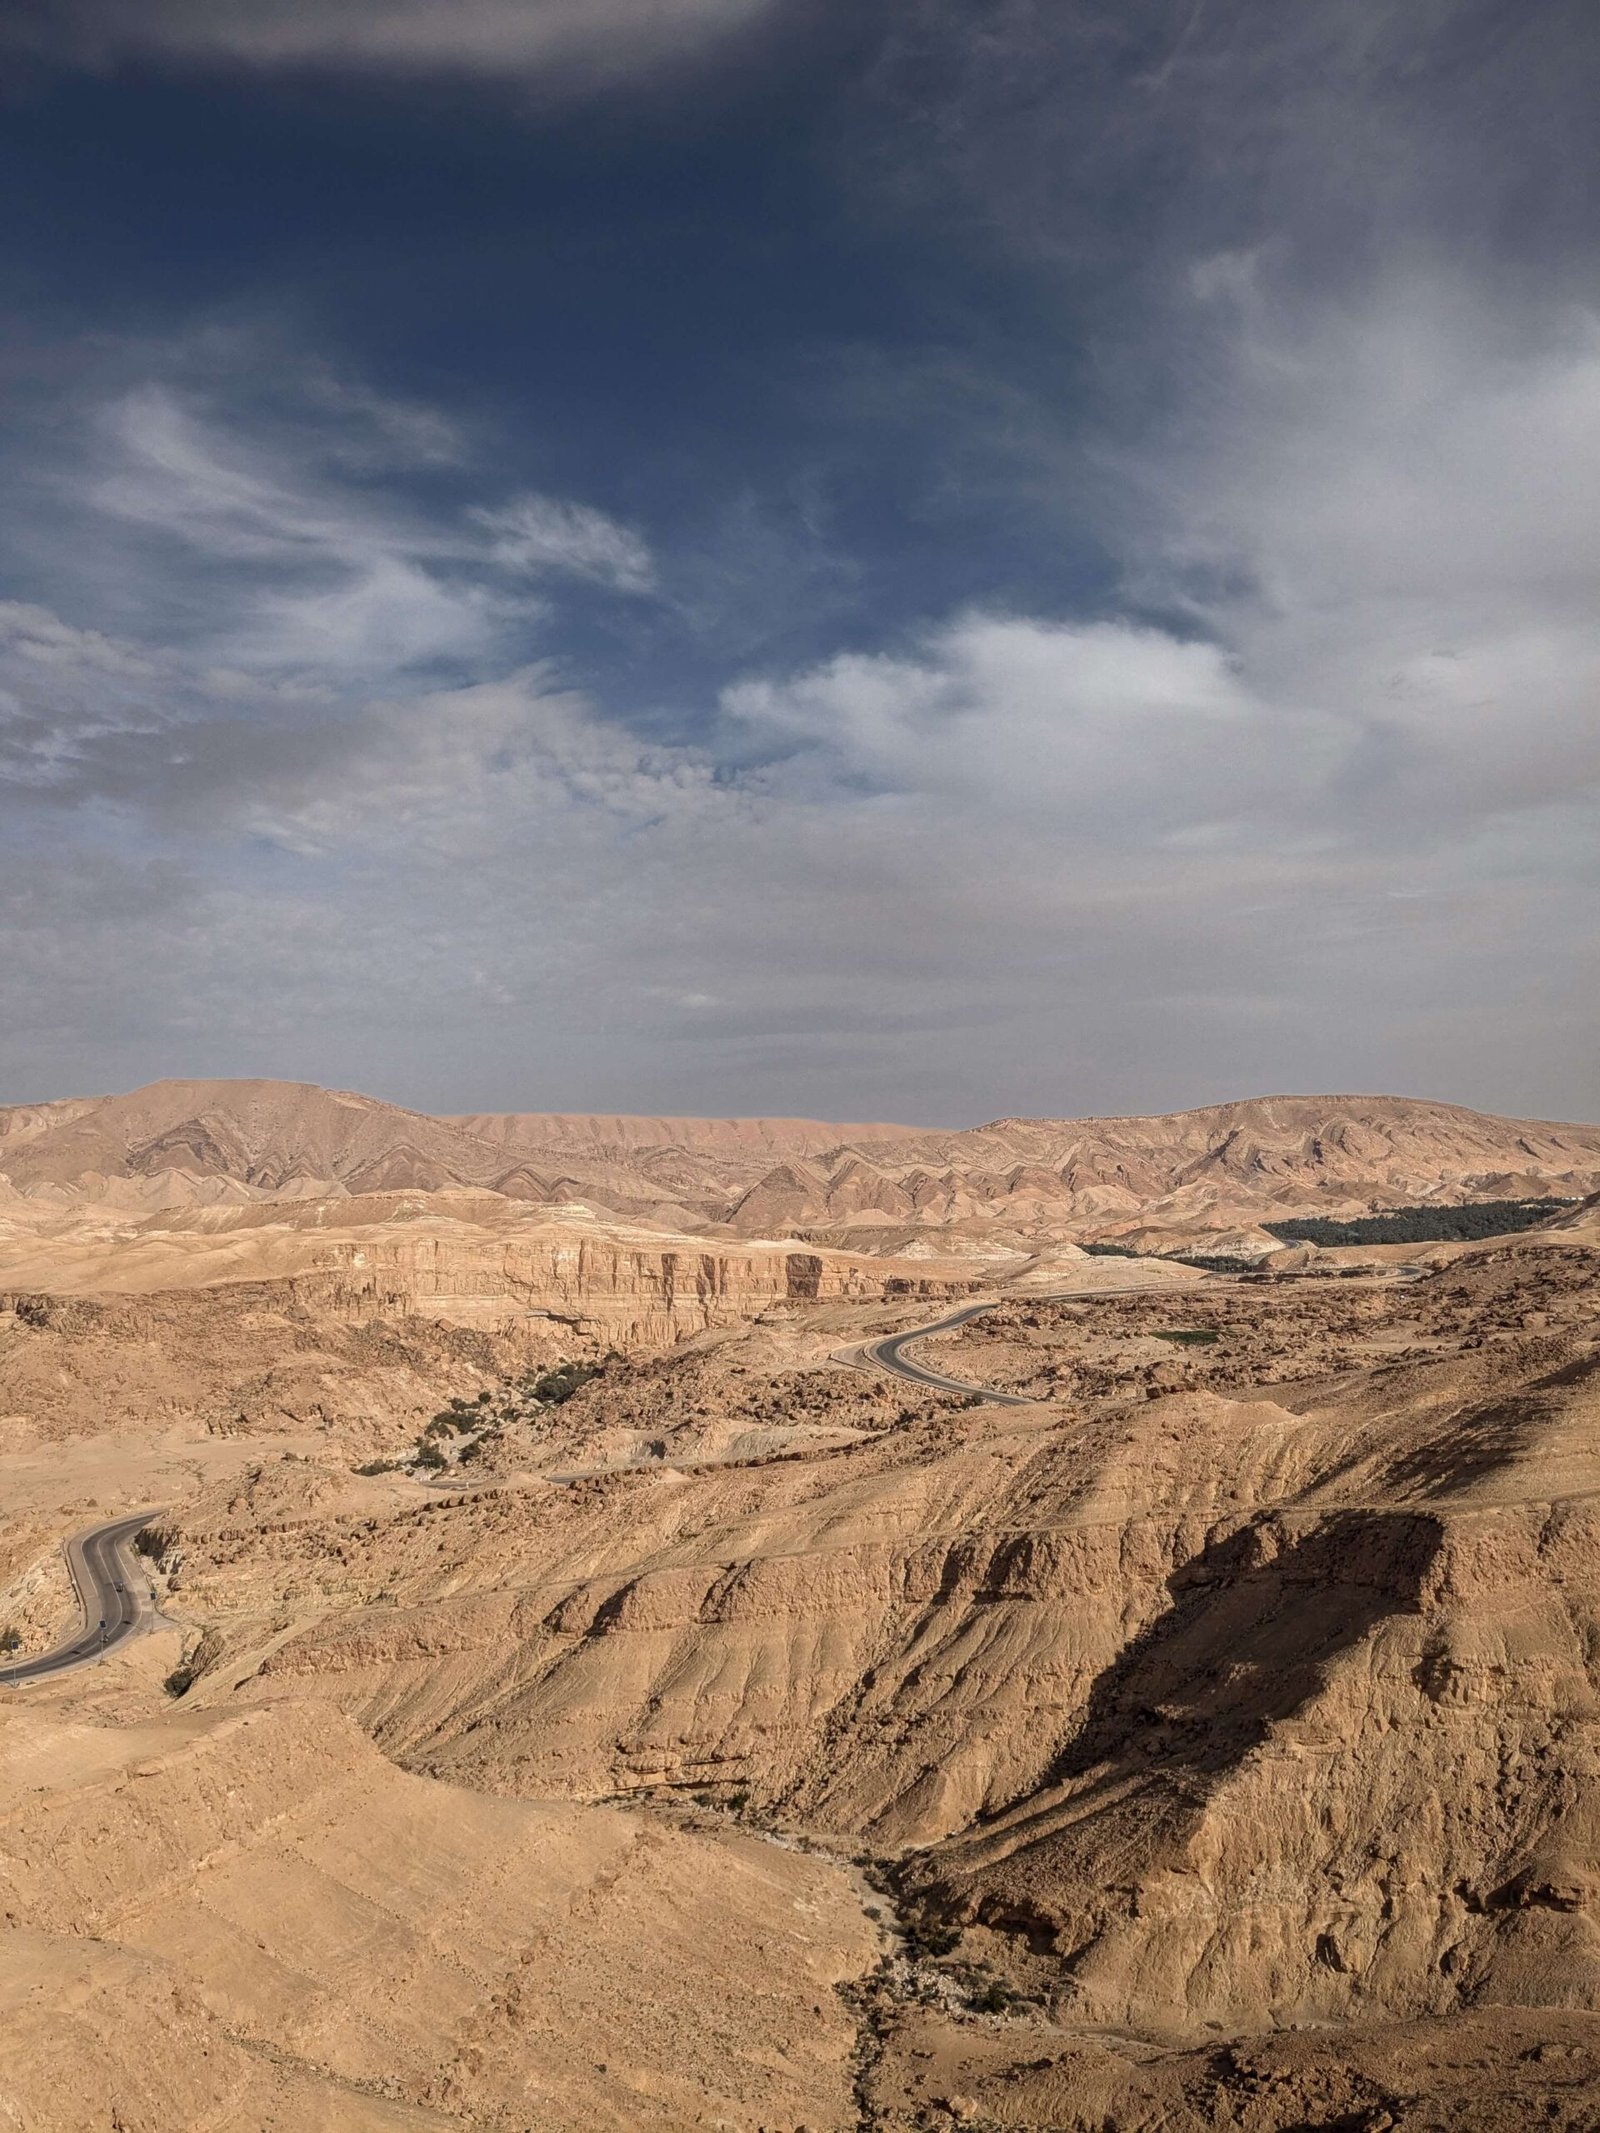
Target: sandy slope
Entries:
(285, 1930)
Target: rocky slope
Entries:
(1181, 1712)
(1219, 1734)
(1016, 1181)
(1145, 1180)
(254, 1921)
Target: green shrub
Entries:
(1419, 1225)
(1208, 1262)
(560, 1384)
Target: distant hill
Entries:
(1226, 1167)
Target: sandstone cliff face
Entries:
(477, 1261)
(635, 1292)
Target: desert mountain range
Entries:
(176, 1143)
(586, 1691)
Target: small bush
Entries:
(558, 1385)
(429, 1455)
(931, 1936)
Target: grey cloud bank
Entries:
(1100, 864)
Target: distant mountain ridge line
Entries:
(1207, 1168)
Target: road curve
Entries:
(112, 1596)
(890, 1354)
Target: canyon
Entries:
(585, 1692)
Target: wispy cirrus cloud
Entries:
(286, 537)
(544, 533)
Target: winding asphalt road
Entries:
(890, 1354)
(112, 1594)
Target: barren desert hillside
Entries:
(1015, 1182)
(583, 1674)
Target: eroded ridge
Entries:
(1215, 1726)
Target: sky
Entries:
(934, 562)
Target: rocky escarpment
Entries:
(637, 1290)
